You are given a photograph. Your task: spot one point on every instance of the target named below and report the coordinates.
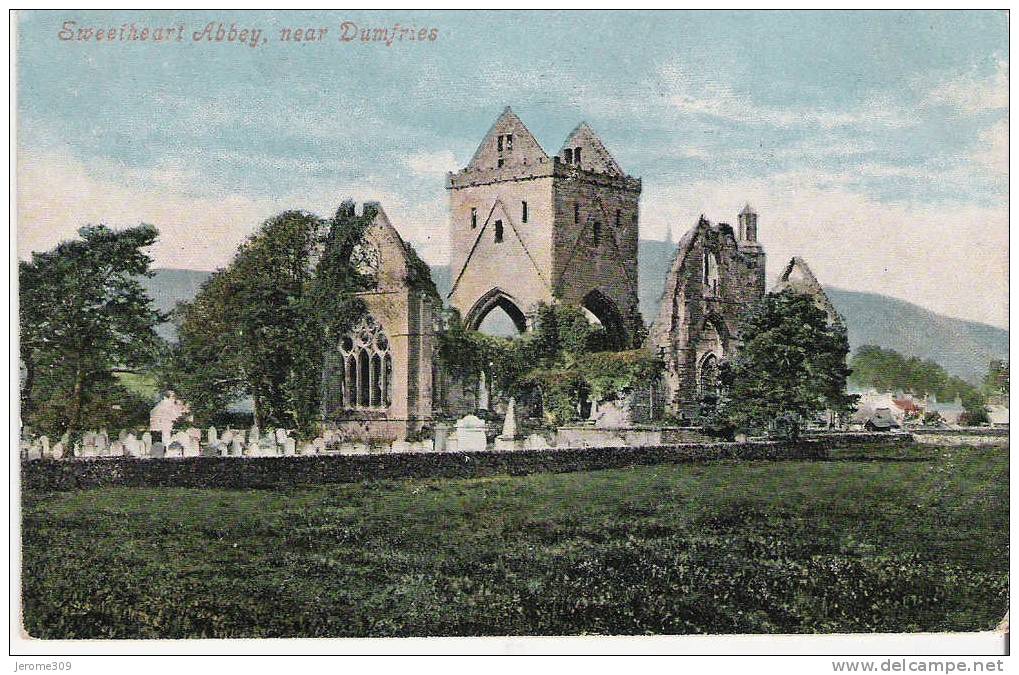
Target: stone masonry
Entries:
(716, 276)
(528, 228)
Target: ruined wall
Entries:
(712, 283)
(403, 317)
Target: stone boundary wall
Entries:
(976, 436)
(284, 472)
(963, 431)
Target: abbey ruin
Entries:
(526, 227)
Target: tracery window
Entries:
(368, 366)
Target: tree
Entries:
(261, 326)
(888, 371)
(84, 317)
(791, 367)
(996, 380)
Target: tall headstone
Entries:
(236, 447)
(509, 439)
(470, 434)
(147, 444)
(441, 436)
(213, 436)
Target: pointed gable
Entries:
(593, 154)
(509, 141)
(798, 278)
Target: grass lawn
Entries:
(857, 544)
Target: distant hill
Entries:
(963, 348)
(170, 286)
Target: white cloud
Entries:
(699, 96)
(57, 194)
(430, 164)
(992, 152)
(974, 93)
(952, 259)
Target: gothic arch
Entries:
(707, 374)
(603, 309)
(489, 301)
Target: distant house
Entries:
(899, 406)
(950, 412)
(881, 420)
(166, 412)
(998, 415)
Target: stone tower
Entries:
(528, 228)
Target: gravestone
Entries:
(147, 444)
(535, 442)
(227, 437)
(132, 446)
(613, 414)
(470, 434)
(158, 450)
(175, 449)
(236, 447)
(289, 446)
(441, 436)
(117, 448)
(509, 439)
(213, 436)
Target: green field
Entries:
(857, 544)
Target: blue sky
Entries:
(874, 144)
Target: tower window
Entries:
(576, 213)
(568, 155)
(500, 162)
(523, 211)
(498, 232)
(499, 143)
(509, 141)
(596, 233)
(474, 218)
(617, 218)
(576, 155)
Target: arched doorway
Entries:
(599, 306)
(508, 313)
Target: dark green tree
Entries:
(791, 367)
(261, 326)
(83, 317)
(996, 380)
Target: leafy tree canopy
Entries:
(84, 317)
(260, 326)
(791, 367)
(886, 370)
